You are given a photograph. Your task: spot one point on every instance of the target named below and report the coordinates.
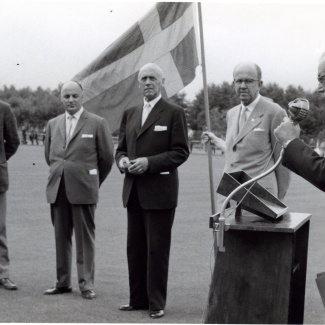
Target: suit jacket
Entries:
(250, 149)
(304, 161)
(163, 140)
(85, 162)
(9, 142)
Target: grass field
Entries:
(32, 253)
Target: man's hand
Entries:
(124, 164)
(219, 143)
(287, 131)
(138, 166)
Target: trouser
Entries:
(4, 254)
(148, 247)
(67, 217)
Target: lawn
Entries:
(32, 253)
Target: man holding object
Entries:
(299, 157)
(152, 144)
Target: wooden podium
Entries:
(261, 276)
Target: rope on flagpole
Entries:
(207, 112)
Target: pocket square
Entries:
(160, 128)
(164, 173)
(93, 172)
(259, 130)
(87, 135)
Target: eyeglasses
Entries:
(321, 80)
(246, 81)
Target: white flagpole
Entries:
(207, 112)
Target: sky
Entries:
(44, 43)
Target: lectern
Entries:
(260, 276)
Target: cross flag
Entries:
(165, 36)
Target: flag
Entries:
(165, 36)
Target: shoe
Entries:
(88, 294)
(130, 308)
(7, 284)
(157, 313)
(57, 290)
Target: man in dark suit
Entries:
(298, 156)
(79, 151)
(152, 144)
(9, 142)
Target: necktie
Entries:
(145, 113)
(242, 118)
(69, 133)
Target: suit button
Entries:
(234, 148)
(231, 165)
(63, 147)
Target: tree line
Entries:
(33, 108)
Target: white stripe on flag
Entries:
(153, 50)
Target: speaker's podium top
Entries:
(290, 222)
(262, 211)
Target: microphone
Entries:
(298, 110)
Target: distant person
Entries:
(31, 136)
(153, 142)
(298, 156)
(43, 135)
(23, 131)
(9, 142)
(79, 151)
(250, 144)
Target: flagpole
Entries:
(207, 112)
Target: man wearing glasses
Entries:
(299, 157)
(250, 142)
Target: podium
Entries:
(261, 276)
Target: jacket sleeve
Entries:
(304, 161)
(121, 150)
(105, 148)
(10, 134)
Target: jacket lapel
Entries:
(154, 115)
(137, 119)
(62, 122)
(254, 119)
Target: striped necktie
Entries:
(69, 133)
(242, 119)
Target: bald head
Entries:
(153, 67)
(250, 66)
(72, 96)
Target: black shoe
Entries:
(88, 294)
(157, 313)
(8, 284)
(57, 290)
(131, 308)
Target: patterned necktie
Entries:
(242, 118)
(69, 134)
(145, 113)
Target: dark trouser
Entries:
(80, 217)
(148, 246)
(4, 255)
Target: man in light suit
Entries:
(298, 156)
(79, 151)
(152, 144)
(9, 142)
(250, 143)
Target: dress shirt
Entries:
(251, 106)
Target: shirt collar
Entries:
(76, 115)
(252, 105)
(152, 102)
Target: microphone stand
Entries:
(221, 227)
